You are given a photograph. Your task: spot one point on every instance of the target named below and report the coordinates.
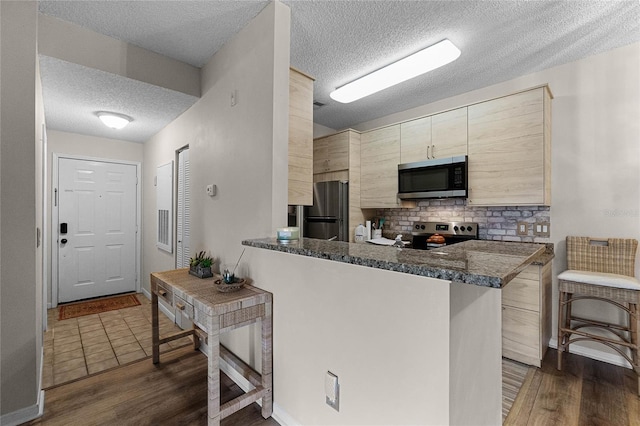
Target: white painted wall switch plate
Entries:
(332, 390)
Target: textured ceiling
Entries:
(338, 41)
(73, 94)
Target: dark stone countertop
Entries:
(478, 262)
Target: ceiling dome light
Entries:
(114, 120)
(420, 62)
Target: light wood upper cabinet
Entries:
(300, 139)
(331, 153)
(449, 133)
(510, 150)
(437, 136)
(380, 156)
(415, 140)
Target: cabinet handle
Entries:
(180, 306)
(428, 152)
(433, 151)
(162, 292)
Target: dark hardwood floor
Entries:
(585, 392)
(172, 393)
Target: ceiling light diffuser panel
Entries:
(412, 66)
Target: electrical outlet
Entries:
(542, 229)
(523, 228)
(332, 390)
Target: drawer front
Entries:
(183, 306)
(165, 293)
(521, 335)
(524, 290)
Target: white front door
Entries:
(96, 229)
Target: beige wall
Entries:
(61, 143)
(241, 149)
(595, 148)
(20, 287)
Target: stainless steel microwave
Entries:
(438, 178)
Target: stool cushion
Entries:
(601, 278)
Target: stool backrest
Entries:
(609, 255)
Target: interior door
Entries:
(96, 229)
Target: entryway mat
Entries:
(97, 306)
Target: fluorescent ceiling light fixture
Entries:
(114, 120)
(420, 62)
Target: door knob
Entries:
(63, 241)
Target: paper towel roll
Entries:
(368, 230)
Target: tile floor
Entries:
(77, 347)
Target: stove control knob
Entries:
(421, 226)
(417, 226)
(455, 228)
(469, 228)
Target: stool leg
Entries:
(561, 314)
(634, 325)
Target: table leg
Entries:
(213, 370)
(267, 360)
(155, 329)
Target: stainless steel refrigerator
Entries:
(328, 218)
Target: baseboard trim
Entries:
(25, 414)
(279, 415)
(596, 354)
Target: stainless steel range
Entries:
(430, 235)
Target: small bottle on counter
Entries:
(360, 233)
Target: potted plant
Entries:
(200, 265)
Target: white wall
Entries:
(595, 148)
(89, 147)
(20, 287)
(384, 334)
(241, 149)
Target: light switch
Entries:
(211, 190)
(332, 390)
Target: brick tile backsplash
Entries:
(495, 223)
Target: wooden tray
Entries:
(223, 287)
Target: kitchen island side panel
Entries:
(384, 334)
(475, 355)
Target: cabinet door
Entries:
(521, 335)
(449, 133)
(338, 152)
(320, 155)
(300, 164)
(415, 140)
(524, 290)
(506, 150)
(380, 156)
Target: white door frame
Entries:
(54, 216)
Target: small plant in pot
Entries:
(200, 265)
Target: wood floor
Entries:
(172, 393)
(585, 392)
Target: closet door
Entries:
(183, 247)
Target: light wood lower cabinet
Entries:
(300, 161)
(510, 149)
(526, 315)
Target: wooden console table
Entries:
(212, 313)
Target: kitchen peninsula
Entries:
(417, 334)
